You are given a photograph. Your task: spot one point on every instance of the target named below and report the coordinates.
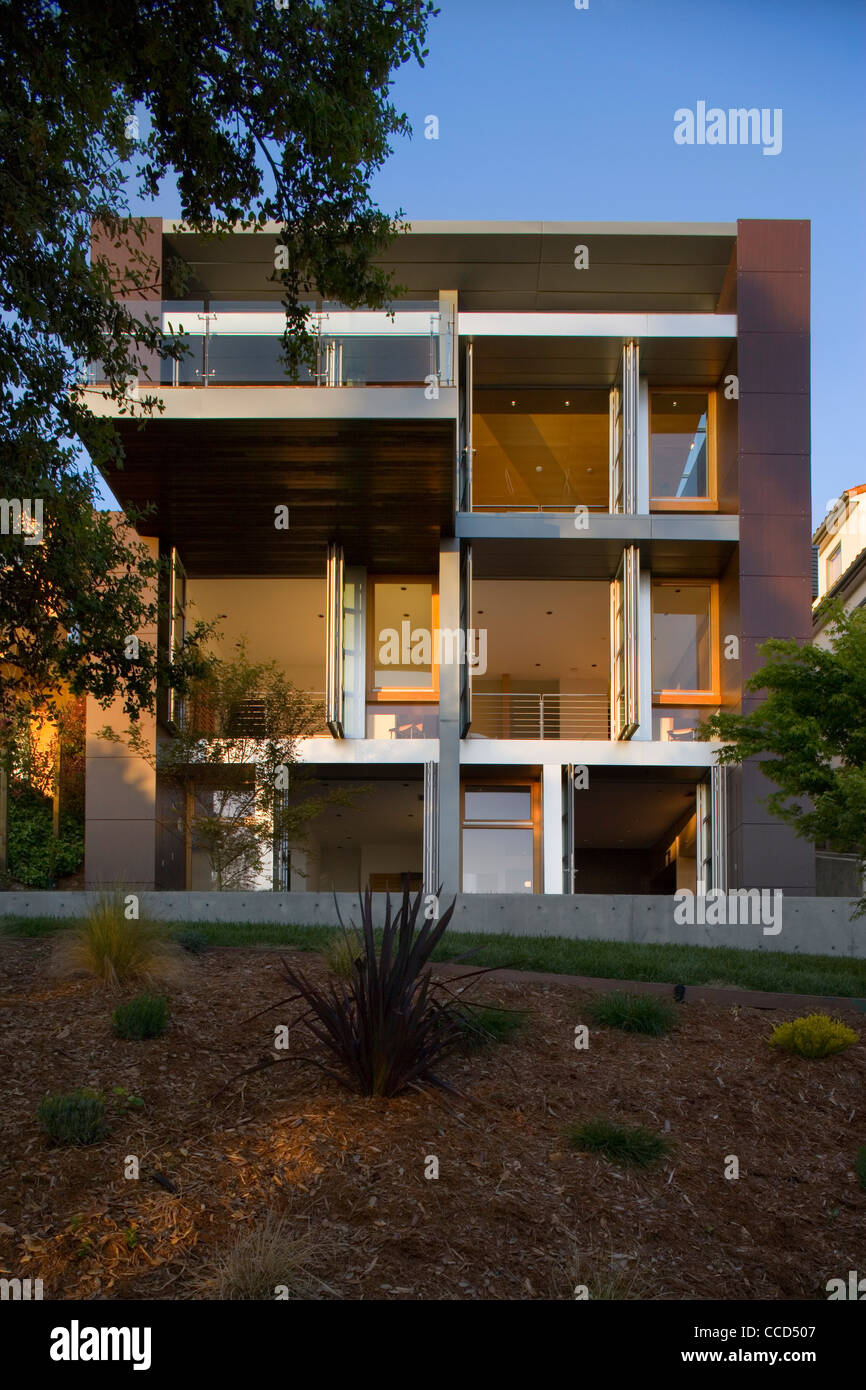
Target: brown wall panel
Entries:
(774, 424)
(774, 554)
(121, 257)
(777, 483)
(774, 362)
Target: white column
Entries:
(551, 826)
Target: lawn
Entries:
(287, 1180)
(775, 971)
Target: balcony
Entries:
(248, 718)
(540, 715)
(240, 344)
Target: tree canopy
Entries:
(809, 733)
(260, 111)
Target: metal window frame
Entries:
(430, 878)
(334, 641)
(624, 646)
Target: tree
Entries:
(232, 765)
(813, 726)
(262, 111)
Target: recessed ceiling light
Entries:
(589, 470)
(538, 468)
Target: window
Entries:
(403, 623)
(685, 646)
(834, 565)
(500, 845)
(680, 456)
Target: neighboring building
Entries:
(601, 474)
(839, 572)
(839, 555)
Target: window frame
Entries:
(712, 694)
(394, 694)
(508, 778)
(710, 503)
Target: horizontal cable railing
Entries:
(537, 715)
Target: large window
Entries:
(680, 449)
(500, 843)
(402, 636)
(685, 646)
(540, 450)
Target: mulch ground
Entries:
(515, 1212)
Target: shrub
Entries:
(484, 1026)
(75, 1118)
(634, 1013)
(270, 1255)
(384, 1028)
(620, 1143)
(36, 857)
(194, 942)
(816, 1035)
(145, 1016)
(860, 1165)
(114, 949)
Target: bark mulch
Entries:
(515, 1212)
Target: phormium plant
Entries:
(383, 1028)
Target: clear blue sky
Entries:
(547, 112)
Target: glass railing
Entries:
(234, 343)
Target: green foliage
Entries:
(36, 858)
(195, 943)
(860, 1165)
(483, 1026)
(816, 1035)
(634, 1013)
(77, 1118)
(341, 952)
(260, 113)
(635, 1144)
(145, 1016)
(812, 723)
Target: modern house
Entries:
(539, 520)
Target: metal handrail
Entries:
(541, 715)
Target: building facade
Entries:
(516, 540)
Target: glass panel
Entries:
(497, 861)
(540, 450)
(402, 636)
(681, 637)
(672, 724)
(498, 803)
(402, 721)
(679, 444)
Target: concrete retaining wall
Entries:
(808, 925)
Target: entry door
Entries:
(712, 818)
(624, 656)
(431, 827)
(568, 828)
